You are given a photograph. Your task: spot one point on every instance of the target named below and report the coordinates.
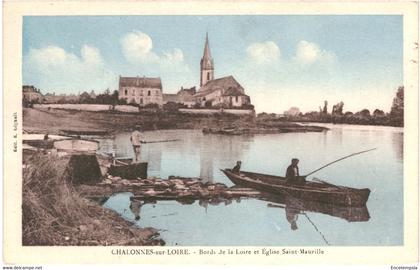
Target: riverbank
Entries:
(54, 212)
(54, 121)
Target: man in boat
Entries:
(237, 168)
(292, 173)
(136, 142)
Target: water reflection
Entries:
(194, 152)
(250, 221)
(292, 206)
(206, 168)
(135, 207)
(397, 139)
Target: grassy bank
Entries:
(54, 120)
(51, 121)
(53, 213)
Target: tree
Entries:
(364, 113)
(338, 108)
(378, 113)
(293, 111)
(114, 97)
(171, 106)
(122, 101)
(397, 109)
(85, 98)
(325, 110)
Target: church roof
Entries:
(223, 84)
(233, 92)
(143, 82)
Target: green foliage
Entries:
(397, 108)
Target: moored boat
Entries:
(76, 145)
(310, 191)
(129, 171)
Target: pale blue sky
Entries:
(281, 61)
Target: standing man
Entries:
(136, 142)
(292, 172)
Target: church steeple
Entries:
(206, 64)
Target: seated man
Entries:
(292, 173)
(237, 168)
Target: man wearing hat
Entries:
(292, 172)
(237, 168)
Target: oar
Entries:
(354, 154)
(120, 162)
(328, 183)
(160, 141)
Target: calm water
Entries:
(251, 221)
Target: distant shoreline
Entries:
(54, 121)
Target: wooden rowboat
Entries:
(129, 171)
(77, 145)
(310, 191)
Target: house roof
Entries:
(219, 84)
(143, 82)
(187, 91)
(170, 98)
(177, 98)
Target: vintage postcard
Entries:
(222, 132)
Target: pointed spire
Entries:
(206, 54)
(206, 64)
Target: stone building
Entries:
(141, 90)
(31, 94)
(224, 92)
(184, 96)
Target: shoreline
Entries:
(54, 213)
(56, 121)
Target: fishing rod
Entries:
(160, 141)
(307, 217)
(316, 228)
(354, 154)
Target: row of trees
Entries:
(105, 98)
(378, 117)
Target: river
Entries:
(252, 222)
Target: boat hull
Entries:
(311, 191)
(77, 145)
(129, 171)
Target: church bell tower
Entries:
(206, 65)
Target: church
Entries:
(219, 93)
(223, 92)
